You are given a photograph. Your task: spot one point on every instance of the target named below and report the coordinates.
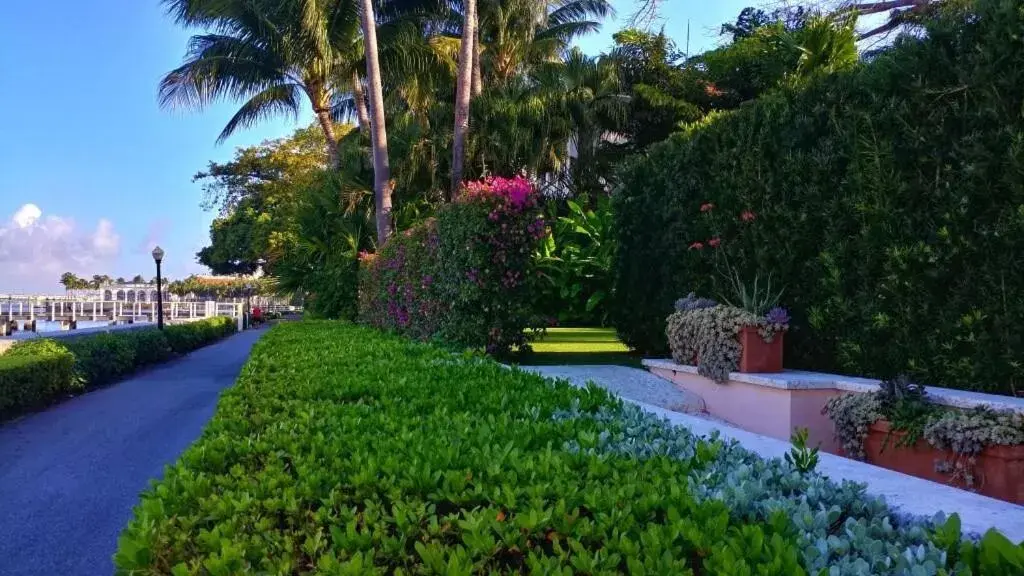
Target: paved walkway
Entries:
(70, 476)
(631, 383)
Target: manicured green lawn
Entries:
(580, 346)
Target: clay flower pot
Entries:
(758, 355)
(998, 471)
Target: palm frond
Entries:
(275, 100)
(219, 66)
(577, 10)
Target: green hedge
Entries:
(343, 450)
(184, 338)
(32, 381)
(34, 370)
(888, 201)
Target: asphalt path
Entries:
(70, 476)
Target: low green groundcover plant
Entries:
(342, 450)
(37, 372)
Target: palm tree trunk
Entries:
(462, 96)
(478, 82)
(323, 115)
(378, 130)
(357, 94)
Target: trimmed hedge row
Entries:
(28, 382)
(37, 372)
(342, 450)
(888, 201)
(465, 279)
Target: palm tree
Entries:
(269, 54)
(69, 281)
(463, 91)
(507, 40)
(378, 130)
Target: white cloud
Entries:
(27, 215)
(36, 249)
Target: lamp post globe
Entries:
(158, 257)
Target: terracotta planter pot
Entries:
(758, 355)
(998, 471)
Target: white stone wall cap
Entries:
(801, 380)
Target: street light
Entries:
(158, 257)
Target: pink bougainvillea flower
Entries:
(697, 246)
(707, 207)
(714, 242)
(748, 216)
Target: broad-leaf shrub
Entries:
(575, 262)
(344, 450)
(465, 278)
(29, 381)
(888, 202)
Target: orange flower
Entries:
(714, 242)
(748, 216)
(707, 207)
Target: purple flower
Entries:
(777, 315)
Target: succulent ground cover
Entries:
(342, 450)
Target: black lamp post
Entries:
(158, 257)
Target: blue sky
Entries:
(93, 173)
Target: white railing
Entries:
(30, 310)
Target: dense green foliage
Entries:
(465, 279)
(887, 201)
(575, 262)
(37, 372)
(321, 260)
(29, 381)
(184, 338)
(456, 465)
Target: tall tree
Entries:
(463, 92)
(378, 131)
(268, 54)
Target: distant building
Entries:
(128, 292)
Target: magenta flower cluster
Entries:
(516, 193)
(465, 277)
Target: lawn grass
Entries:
(580, 346)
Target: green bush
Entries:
(575, 262)
(465, 279)
(29, 381)
(184, 338)
(103, 358)
(342, 450)
(889, 202)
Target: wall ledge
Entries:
(801, 380)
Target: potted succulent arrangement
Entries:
(724, 338)
(745, 332)
(898, 428)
